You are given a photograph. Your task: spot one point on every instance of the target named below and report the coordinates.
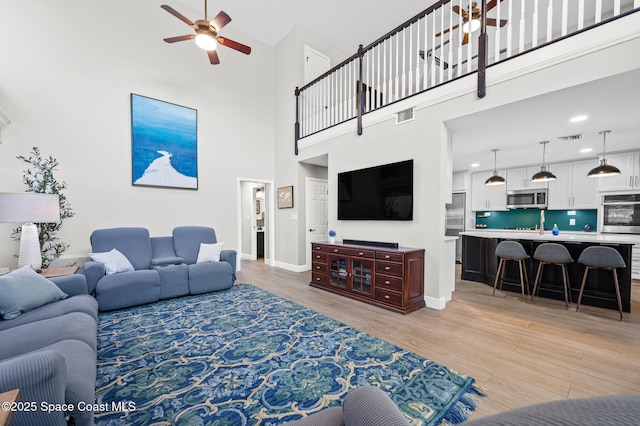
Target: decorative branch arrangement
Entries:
(39, 177)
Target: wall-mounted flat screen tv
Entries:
(377, 193)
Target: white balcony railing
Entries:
(434, 48)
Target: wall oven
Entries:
(527, 199)
(621, 214)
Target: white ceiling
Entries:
(517, 129)
(342, 24)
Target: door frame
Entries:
(307, 218)
(270, 208)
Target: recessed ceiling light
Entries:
(585, 150)
(475, 164)
(578, 118)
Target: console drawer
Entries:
(318, 256)
(343, 250)
(318, 247)
(391, 257)
(320, 268)
(385, 282)
(389, 297)
(319, 278)
(389, 268)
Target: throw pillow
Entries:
(209, 252)
(113, 261)
(23, 289)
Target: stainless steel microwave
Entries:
(527, 199)
(621, 214)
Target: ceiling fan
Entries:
(206, 35)
(471, 23)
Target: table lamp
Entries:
(29, 208)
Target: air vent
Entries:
(404, 116)
(570, 137)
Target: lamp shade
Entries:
(604, 170)
(29, 207)
(543, 175)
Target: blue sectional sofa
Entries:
(49, 354)
(162, 267)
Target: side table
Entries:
(58, 272)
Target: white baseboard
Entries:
(290, 267)
(435, 303)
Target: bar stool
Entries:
(511, 250)
(601, 257)
(553, 254)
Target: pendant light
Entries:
(495, 179)
(543, 175)
(604, 169)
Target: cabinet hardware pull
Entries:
(386, 268)
(387, 282)
(335, 250)
(387, 257)
(386, 297)
(318, 279)
(318, 257)
(360, 254)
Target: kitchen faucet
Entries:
(541, 230)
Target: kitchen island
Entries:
(479, 263)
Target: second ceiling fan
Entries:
(471, 21)
(206, 33)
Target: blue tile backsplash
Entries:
(529, 218)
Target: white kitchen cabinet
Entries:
(573, 189)
(458, 182)
(635, 260)
(487, 197)
(629, 178)
(520, 178)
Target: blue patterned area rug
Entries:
(244, 356)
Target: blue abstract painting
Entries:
(164, 143)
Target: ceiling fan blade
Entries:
(492, 4)
(178, 15)
(220, 21)
(465, 39)
(447, 30)
(179, 38)
(456, 9)
(493, 22)
(213, 57)
(234, 45)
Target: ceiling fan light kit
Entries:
(543, 175)
(604, 169)
(495, 179)
(206, 36)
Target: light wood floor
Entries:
(520, 353)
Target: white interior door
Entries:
(317, 212)
(315, 64)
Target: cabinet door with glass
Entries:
(339, 271)
(362, 276)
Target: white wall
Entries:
(289, 74)
(592, 55)
(68, 68)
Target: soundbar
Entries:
(371, 243)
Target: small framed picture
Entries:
(285, 197)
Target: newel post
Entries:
(297, 125)
(483, 42)
(360, 101)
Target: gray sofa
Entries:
(370, 406)
(49, 354)
(164, 267)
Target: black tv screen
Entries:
(377, 193)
